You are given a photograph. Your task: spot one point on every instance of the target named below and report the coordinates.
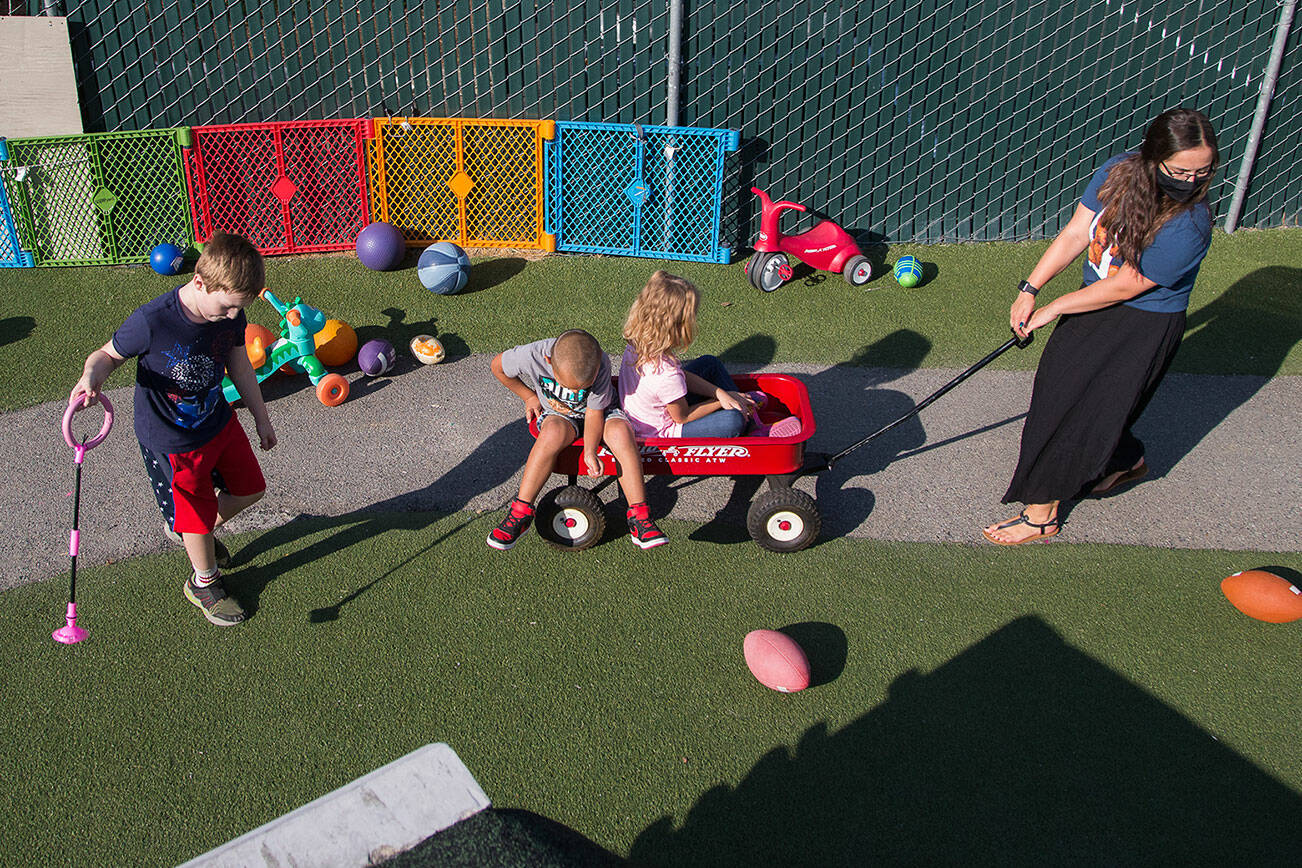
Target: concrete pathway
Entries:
(1223, 450)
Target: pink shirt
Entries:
(644, 394)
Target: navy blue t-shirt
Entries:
(178, 402)
(1171, 261)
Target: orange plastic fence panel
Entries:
(479, 183)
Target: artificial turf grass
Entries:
(606, 690)
(1245, 314)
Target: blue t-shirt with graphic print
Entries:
(179, 369)
(1171, 261)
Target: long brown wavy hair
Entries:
(662, 320)
(1134, 208)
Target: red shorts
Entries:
(185, 483)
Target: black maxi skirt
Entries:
(1097, 374)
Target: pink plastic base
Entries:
(70, 634)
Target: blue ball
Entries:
(908, 271)
(444, 268)
(380, 246)
(166, 259)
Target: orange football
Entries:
(1264, 596)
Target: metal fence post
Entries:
(1259, 119)
(675, 61)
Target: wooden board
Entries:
(40, 93)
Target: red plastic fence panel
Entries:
(290, 187)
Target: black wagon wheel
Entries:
(858, 270)
(772, 272)
(783, 520)
(571, 518)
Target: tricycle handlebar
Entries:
(769, 203)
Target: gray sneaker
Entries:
(217, 606)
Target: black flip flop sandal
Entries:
(1022, 519)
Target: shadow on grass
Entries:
(480, 471)
(507, 837)
(400, 333)
(825, 647)
(15, 328)
(1020, 750)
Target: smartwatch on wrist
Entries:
(1026, 287)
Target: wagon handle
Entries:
(817, 465)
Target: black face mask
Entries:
(1180, 191)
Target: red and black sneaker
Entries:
(642, 529)
(517, 521)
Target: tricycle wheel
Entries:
(783, 520)
(771, 272)
(749, 271)
(571, 518)
(858, 270)
(332, 389)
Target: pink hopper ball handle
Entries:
(73, 407)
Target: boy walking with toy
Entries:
(197, 455)
(565, 384)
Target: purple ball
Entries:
(376, 357)
(380, 246)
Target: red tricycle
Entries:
(782, 519)
(827, 246)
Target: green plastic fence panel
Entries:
(98, 199)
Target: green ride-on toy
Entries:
(296, 348)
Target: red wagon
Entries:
(781, 519)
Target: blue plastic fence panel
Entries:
(11, 252)
(632, 190)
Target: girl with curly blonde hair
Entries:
(664, 397)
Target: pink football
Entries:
(1264, 596)
(776, 660)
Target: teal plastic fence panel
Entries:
(631, 190)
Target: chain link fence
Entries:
(924, 120)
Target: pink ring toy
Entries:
(73, 407)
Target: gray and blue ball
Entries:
(444, 268)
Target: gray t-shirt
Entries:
(528, 363)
